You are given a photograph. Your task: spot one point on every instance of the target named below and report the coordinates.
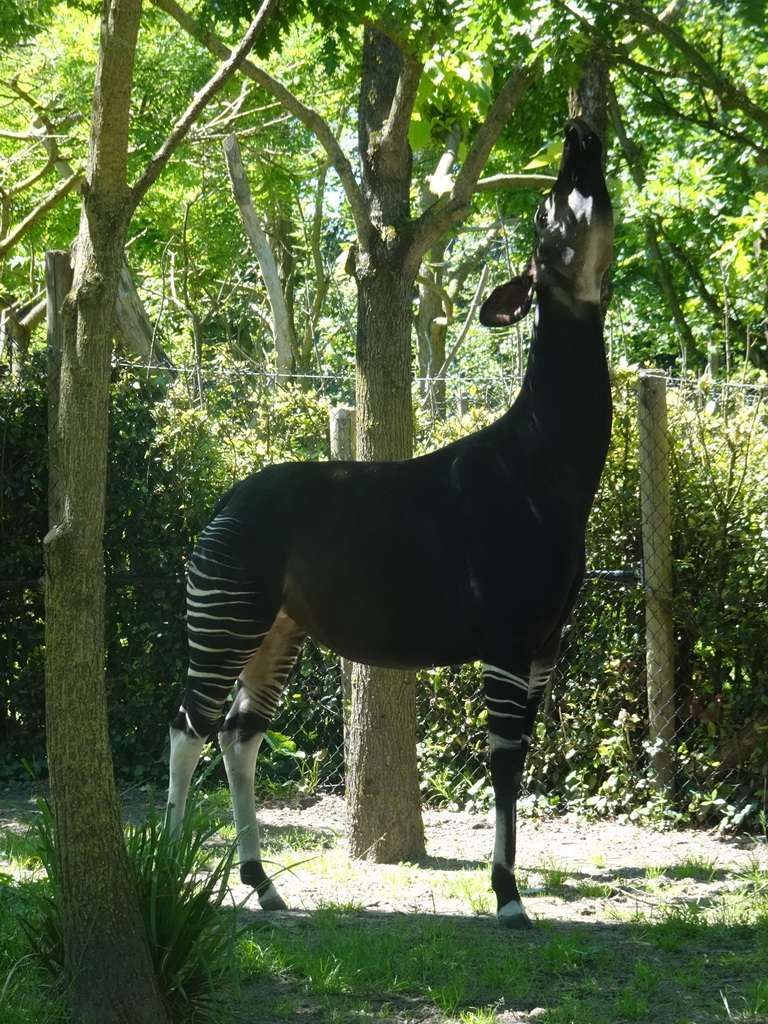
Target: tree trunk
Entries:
(432, 324)
(384, 414)
(282, 322)
(110, 972)
(383, 803)
(383, 799)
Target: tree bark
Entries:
(110, 972)
(383, 798)
(383, 802)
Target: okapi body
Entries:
(474, 552)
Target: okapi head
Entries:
(574, 236)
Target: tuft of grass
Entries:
(751, 1006)
(755, 875)
(553, 875)
(448, 995)
(631, 1005)
(593, 890)
(472, 888)
(191, 933)
(20, 849)
(700, 869)
(479, 1015)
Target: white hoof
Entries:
(512, 915)
(271, 899)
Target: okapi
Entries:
(474, 552)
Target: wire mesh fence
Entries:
(658, 708)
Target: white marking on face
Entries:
(580, 205)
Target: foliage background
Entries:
(176, 446)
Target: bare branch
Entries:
(499, 181)
(282, 326)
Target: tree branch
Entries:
(672, 13)
(450, 208)
(498, 181)
(309, 117)
(731, 96)
(199, 101)
(400, 112)
(282, 327)
(497, 117)
(54, 196)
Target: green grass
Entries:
(653, 950)
(652, 972)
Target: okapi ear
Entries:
(509, 302)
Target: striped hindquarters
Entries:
(225, 626)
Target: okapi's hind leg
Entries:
(260, 685)
(512, 700)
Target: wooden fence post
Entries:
(343, 450)
(342, 433)
(58, 282)
(657, 571)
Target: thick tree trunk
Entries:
(111, 975)
(110, 972)
(383, 804)
(384, 365)
(383, 799)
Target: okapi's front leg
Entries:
(260, 685)
(512, 701)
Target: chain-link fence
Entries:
(659, 705)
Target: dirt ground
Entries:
(608, 854)
(572, 874)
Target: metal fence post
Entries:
(653, 460)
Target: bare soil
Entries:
(608, 854)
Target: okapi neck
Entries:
(556, 305)
(565, 400)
